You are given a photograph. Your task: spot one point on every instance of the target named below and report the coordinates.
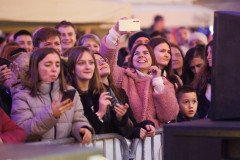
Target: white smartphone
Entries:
(129, 25)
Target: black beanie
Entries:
(134, 37)
(16, 51)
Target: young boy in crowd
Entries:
(187, 100)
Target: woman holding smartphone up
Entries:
(102, 112)
(37, 106)
(151, 96)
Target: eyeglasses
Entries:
(102, 60)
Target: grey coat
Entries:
(34, 114)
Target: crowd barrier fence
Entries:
(116, 147)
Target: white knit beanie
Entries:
(199, 36)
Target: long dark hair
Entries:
(188, 75)
(95, 85)
(154, 42)
(117, 91)
(32, 79)
(204, 76)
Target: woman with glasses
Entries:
(140, 129)
(151, 96)
(100, 105)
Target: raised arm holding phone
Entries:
(151, 96)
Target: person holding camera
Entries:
(37, 105)
(142, 129)
(100, 104)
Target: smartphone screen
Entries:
(68, 94)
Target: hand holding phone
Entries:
(4, 61)
(120, 110)
(5, 74)
(104, 102)
(58, 109)
(129, 25)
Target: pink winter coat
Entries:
(145, 104)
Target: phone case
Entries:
(68, 94)
(4, 61)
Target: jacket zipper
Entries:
(55, 128)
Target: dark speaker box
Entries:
(226, 67)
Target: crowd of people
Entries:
(129, 90)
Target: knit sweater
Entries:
(145, 103)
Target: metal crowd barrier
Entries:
(124, 149)
(62, 141)
(118, 146)
(153, 144)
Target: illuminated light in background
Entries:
(211, 29)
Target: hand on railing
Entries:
(87, 136)
(150, 130)
(143, 133)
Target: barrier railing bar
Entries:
(152, 147)
(94, 143)
(69, 140)
(143, 150)
(133, 148)
(135, 142)
(125, 154)
(128, 152)
(161, 141)
(114, 149)
(104, 148)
